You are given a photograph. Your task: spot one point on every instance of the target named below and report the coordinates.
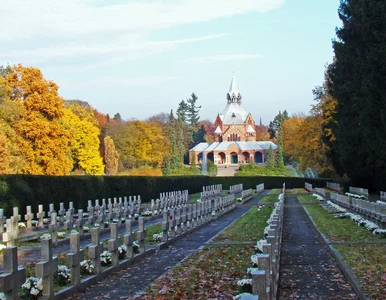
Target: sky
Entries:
(141, 58)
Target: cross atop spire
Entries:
(234, 95)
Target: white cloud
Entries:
(49, 18)
(91, 30)
(222, 57)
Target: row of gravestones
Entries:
(266, 277)
(259, 188)
(175, 222)
(246, 195)
(308, 187)
(237, 188)
(370, 210)
(211, 191)
(98, 214)
(66, 219)
(333, 186)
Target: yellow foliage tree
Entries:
(290, 128)
(81, 122)
(44, 141)
(111, 156)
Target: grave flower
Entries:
(2, 296)
(255, 260)
(86, 267)
(379, 231)
(62, 275)
(106, 224)
(61, 234)
(34, 222)
(46, 220)
(21, 225)
(245, 285)
(147, 213)
(74, 230)
(136, 216)
(157, 237)
(45, 236)
(2, 246)
(32, 288)
(122, 250)
(106, 258)
(259, 245)
(86, 228)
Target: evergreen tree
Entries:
(193, 161)
(357, 81)
(166, 165)
(270, 158)
(280, 149)
(182, 110)
(173, 142)
(193, 110)
(180, 141)
(117, 117)
(276, 123)
(199, 135)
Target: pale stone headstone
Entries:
(16, 219)
(13, 276)
(172, 223)
(90, 210)
(53, 228)
(141, 234)
(113, 243)
(40, 215)
(3, 221)
(128, 239)
(165, 226)
(10, 235)
(47, 267)
(68, 224)
(95, 249)
(28, 217)
(74, 258)
(80, 221)
(62, 213)
(178, 221)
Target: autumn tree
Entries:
(262, 133)
(44, 140)
(291, 141)
(80, 121)
(111, 156)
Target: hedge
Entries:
(23, 190)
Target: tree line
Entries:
(43, 134)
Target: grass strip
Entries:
(339, 229)
(296, 191)
(307, 199)
(248, 228)
(212, 272)
(269, 199)
(369, 265)
(275, 191)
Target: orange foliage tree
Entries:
(45, 142)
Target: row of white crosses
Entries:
(115, 209)
(181, 219)
(169, 200)
(211, 191)
(357, 192)
(237, 188)
(265, 279)
(13, 276)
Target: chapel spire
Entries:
(234, 95)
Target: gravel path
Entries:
(307, 268)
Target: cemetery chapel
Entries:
(235, 135)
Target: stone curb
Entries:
(346, 270)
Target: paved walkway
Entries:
(129, 282)
(307, 268)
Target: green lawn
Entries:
(275, 191)
(245, 228)
(269, 199)
(339, 230)
(369, 265)
(296, 191)
(307, 199)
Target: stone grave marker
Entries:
(28, 217)
(13, 276)
(95, 249)
(47, 267)
(74, 257)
